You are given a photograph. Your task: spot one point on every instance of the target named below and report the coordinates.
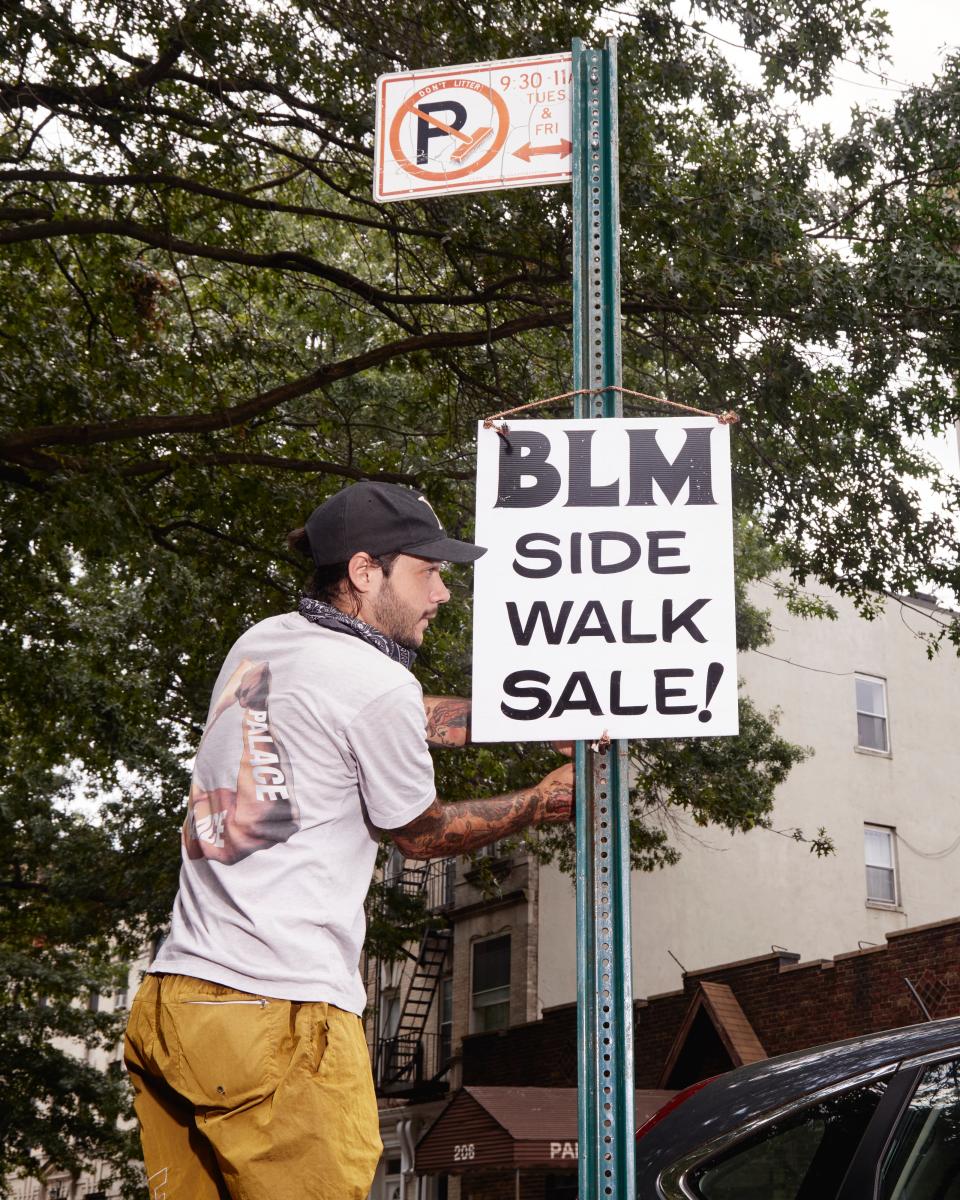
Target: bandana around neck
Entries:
(332, 618)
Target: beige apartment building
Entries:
(882, 781)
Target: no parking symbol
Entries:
(473, 128)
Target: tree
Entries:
(207, 326)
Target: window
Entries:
(449, 881)
(872, 714)
(923, 1162)
(491, 984)
(392, 1185)
(389, 1013)
(878, 852)
(802, 1156)
(393, 870)
(446, 1021)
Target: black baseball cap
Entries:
(381, 518)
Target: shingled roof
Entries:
(716, 1003)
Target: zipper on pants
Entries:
(223, 1003)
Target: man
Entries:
(245, 1044)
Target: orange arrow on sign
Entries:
(527, 152)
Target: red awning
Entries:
(488, 1127)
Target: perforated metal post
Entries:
(605, 1095)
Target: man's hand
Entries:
(555, 796)
(564, 748)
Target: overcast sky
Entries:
(923, 31)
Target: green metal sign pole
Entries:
(605, 1091)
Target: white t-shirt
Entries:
(315, 740)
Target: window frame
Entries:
(394, 866)
(914, 1074)
(677, 1175)
(475, 1025)
(391, 1008)
(794, 1117)
(886, 751)
(894, 868)
(445, 1022)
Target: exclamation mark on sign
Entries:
(714, 675)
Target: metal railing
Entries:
(434, 881)
(406, 1062)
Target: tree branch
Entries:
(90, 104)
(281, 260)
(17, 445)
(314, 466)
(201, 189)
(875, 193)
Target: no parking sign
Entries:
(473, 128)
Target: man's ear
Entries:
(363, 571)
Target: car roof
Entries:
(739, 1096)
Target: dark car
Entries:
(873, 1118)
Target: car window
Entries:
(803, 1156)
(923, 1161)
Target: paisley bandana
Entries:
(332, 618)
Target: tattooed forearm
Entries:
(465, 825)
(448, 720)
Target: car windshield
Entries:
(803, 1156)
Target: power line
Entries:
(929, 853)
(802, 666)
(902, 85)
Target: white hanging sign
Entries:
(473, 128)
(605, 601)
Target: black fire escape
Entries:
(411, 1059)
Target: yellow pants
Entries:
(243, 1097)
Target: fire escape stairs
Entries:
(423, 986)
(401, 1055)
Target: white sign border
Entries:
(381, 132)
(488, 724)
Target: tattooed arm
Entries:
(465, 825)
(448, 720)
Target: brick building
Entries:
(722, 1017)
(785, 1004)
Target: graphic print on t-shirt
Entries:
(241, 795)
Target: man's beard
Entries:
(396, 619)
